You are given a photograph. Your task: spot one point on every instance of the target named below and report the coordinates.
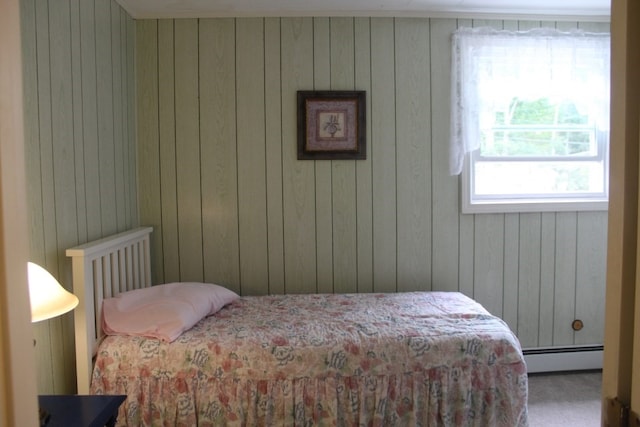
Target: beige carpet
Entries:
(565, 399)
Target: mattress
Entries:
(414, 358)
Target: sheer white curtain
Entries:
(491, 67)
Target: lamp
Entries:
(48, 298)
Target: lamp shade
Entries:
(48, 298)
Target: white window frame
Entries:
(472, 203)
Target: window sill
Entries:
(522, 206)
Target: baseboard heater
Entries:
(571, 358)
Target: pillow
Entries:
(163, 311)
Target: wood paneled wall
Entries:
(231, 204)
(80, 147)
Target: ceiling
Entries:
(558, 9)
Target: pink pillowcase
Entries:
(163, 311)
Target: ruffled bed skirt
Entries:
(444, 396)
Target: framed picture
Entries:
(331, 125)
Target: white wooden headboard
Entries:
(102, 269)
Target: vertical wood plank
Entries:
(566, 25)
(218, 152)
(591, 276)
(131, 99)
(510, 25)
(445, 199)
(273, 120)
(488, 262)
(595, 27)
(547, 279)
(32, 133)
(492, 23)
(529, 279)
(343, 171)
(127, 116)
(188, 156)
(167, 234)
(118, 140)
(298, 176)
(89, 84)
(322, 168)
(364, 193)
(45, 102)
(252, 198)
(106, 135)
(124, 115)
(413, 113)
(565, 278)
(524, 25)
(148, 137)
(78, 119)
(510, 281)
(383, 155)
(466, 255)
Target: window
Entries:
(530, 120)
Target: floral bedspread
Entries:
(416, 358)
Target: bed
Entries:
(382, 359)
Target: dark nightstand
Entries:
(81, 411)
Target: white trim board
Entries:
(599, 10)
(554, 359)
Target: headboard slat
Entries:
(104, 268)
(98, 295)
(122, 270)
(106, 276)
(137, 272)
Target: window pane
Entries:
(545, 142)
(542, 128)
(522, 179)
